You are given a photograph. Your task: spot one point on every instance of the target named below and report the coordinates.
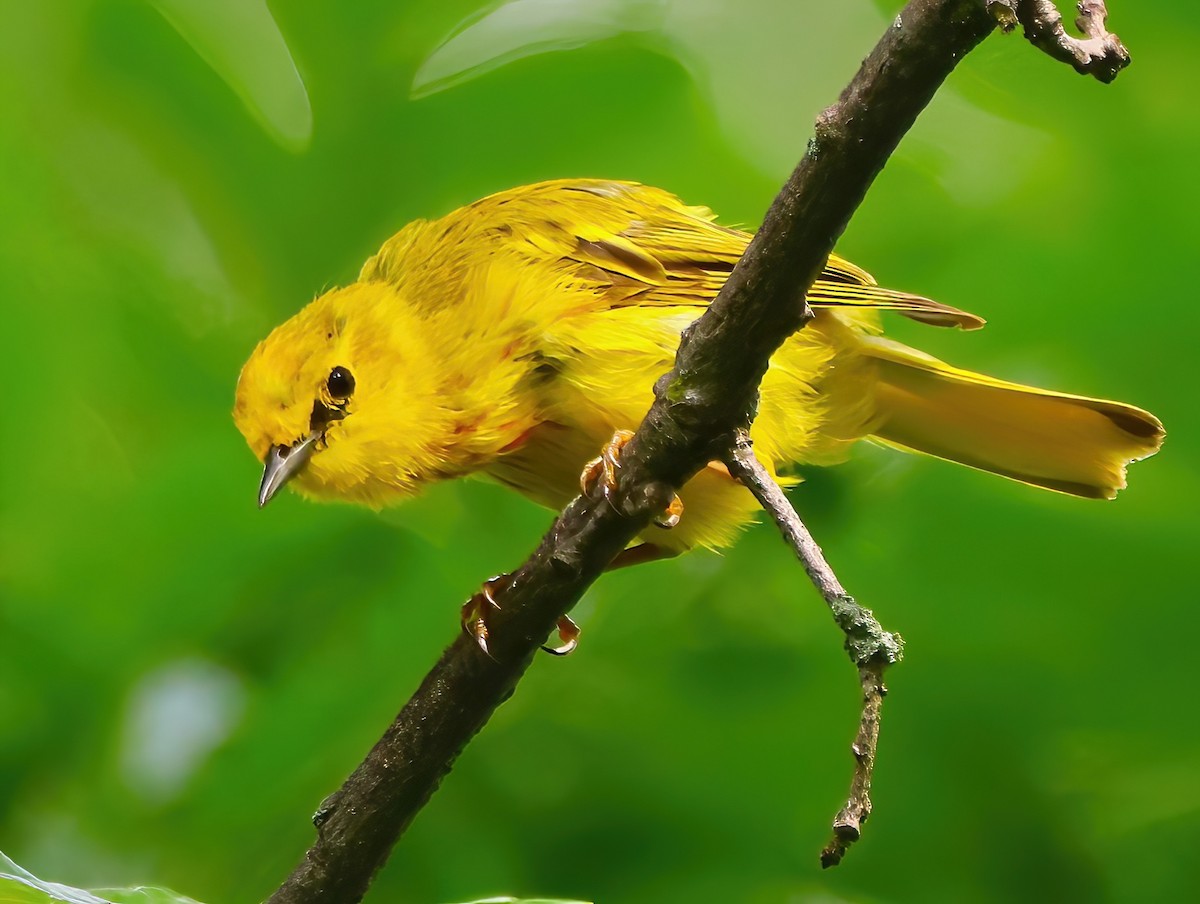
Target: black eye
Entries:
(340, 383)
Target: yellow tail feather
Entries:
(1067, 443)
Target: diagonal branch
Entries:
(699, 405)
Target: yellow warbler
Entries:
(512, 337)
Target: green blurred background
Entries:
(184, 677)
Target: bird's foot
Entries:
(477, 610)
(568, 633)
(603, 470)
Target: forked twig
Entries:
(1099, 53)
(871, 648)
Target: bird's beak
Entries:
(283, 463)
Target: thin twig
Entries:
(1099, 53)
(871, 648)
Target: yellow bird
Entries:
(514, 336)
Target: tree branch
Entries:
(871, 648)
(1099, 53)
(698, 407)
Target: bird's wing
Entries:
(625, 244)
(652, 249)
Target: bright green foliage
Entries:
(183, 678)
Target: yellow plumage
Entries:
(513, 336)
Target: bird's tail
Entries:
(1067, 443)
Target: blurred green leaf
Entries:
(242, 43)
(793, 55)
(503, 900)
(19, 886)
(143, 895)
(521, 28)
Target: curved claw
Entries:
(672, 515)
(607, 465)
(568, 633)
(475, 613)
(476, 610)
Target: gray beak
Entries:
(283, 463)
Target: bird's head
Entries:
(324, 399)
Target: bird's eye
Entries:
(340, 383)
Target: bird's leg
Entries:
(603, 470)
(606, 467)
(640, 554)
(568, 631)
(476, 610)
